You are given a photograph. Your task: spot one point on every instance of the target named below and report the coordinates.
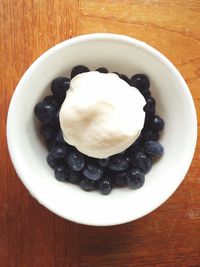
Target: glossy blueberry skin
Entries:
(149, 135)
(78, 70)
(61, 173)
(135, 178)
(153, 148)
(45, 112)
(59, 88)
(118, 163)
(104, 162)
(51, 160)
(48, 132)
(59, 151)
(150, 104)
(50, 99)
(105, 186)
(149, 117)
(59, 138)
(142, 161)
(76, 160)
(135, 147)
(87, 185)
(157, 124)
(73, 176)
(102, 70)
(120, 179)
(125, 78)
(93, 172)
(142, 83)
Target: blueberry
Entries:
(149, 135)
(135, 178)
(120, 178)
(59, 138)
(153, 148)
(57, 120)
(73, 176)
(48, 132)
(125, 78)
(147, 95)
(149, 117)
(103, 162)
(61, 173)
(78, 70)
(59, 151)
(51, 100)
(102, 70)
(76, 160)
(117, 73)
(105, 186)
(87, 185)
(150, 104)
(157, 124)
(135, 147)
(118, 163)
(93, 172)
(142, 161)
(59, 88)
(51, 161)
(141, 82)
(45, 112)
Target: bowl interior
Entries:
(174, 104)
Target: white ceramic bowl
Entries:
(174, 103)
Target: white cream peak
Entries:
(102, 115)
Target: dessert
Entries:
(81, 150)
(98, 112)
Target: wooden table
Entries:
(30, 235)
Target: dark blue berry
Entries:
(141, 82)
(150, 105)
(120, 178)
(45, 112)
(157, 124)
(61, 173)
(87, 185)
(51, 100)
(76, 160)
(59, 88)
(59, 151)
(48, 132)
(51, 161)
(105, 186)
(73, 176)
(78, 70)
(142, 161)
(125, 78)
(103, 162)
(102, 70)
(149, 135)
(149, 117)
(135, 147)
(117, 73)
(135, 178)
(59, 138)
(153, 148)
(147, 95)
(118, 163)
(93, 172)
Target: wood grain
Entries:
(32, 236)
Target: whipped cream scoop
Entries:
(102, 115)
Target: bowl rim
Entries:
(91, 37)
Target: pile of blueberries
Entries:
(125, 169)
